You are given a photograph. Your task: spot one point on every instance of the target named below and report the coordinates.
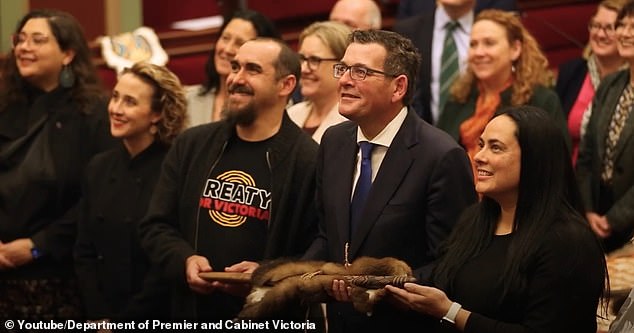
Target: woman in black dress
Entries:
(523, 259)
(52, 121)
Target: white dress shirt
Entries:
(382, 142)
(461, 35)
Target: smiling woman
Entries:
(579, 78)
(605, 159)
(535, 261)
(147, 111)
(52, 121)
(505, 67)
(205, 101)
(320, 45)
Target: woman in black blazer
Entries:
(52, 121)
(147, 110)
(606, 154)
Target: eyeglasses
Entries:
(356, 72)
(37, 39)
(607, 29)
(313, 61)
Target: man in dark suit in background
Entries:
(428, 31)
(402, 198)
(357, 14)
(408, 8)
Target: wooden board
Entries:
(226, 277)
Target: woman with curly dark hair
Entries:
(52, 121)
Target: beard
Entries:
(239, 115)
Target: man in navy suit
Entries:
(421, 179)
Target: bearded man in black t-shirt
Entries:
(237, 191)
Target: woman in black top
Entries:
(523, 259)
(52, 121)
(147, 110)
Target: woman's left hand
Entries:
(15, 253)
(427, 300)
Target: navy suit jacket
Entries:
(424, 183)
(422, 186)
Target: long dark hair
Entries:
(70, 36)
(263, 28)
(547, 196)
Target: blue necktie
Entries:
(364, 183)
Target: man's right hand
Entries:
(194, 265)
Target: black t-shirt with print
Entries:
(233, 216)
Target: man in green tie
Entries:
(442, 37)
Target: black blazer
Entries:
(419, 29)
(423, 185)
(115, 276)
(40, 184)
(569, 81)
(590, 162)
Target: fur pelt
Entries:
(280, 285)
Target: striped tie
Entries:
(619, 117)
(449, 64)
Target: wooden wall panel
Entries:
(89, 13)
(160, 14)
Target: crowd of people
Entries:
(448, 143)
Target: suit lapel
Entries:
(345, 155)
(625, 136)
(393, 169)
(426, 36)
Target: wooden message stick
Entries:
(365, 281)
(377, 282)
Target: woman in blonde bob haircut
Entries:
(321, 45)
(505, 68)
